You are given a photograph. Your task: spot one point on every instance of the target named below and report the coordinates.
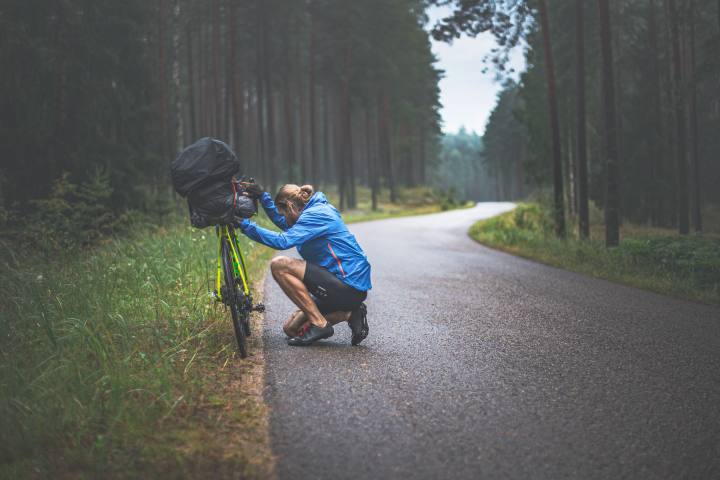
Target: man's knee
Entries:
(280, 264)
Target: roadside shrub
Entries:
(597, 217)
(73, 216)
(448, 200)
(695, 257)
(532, 216)
(70, 216)
(685, 265)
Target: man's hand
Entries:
(237, 222)
(252, 189)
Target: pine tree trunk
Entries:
(57, 151)
(229, 67)
(235, 82)
(680, 120)
(327, 138)
(162, 79)
(254, 134)
(559, 213)
(347, 157)
(200, 85)
(195, 71)
(615, 12)
(289, 111)
(519, 175)
(205, 99)
(612, 224)
(304, 140)
(409, 157)
(260, 110)
(582, 183)
(191, 85)
(216, 93)
(423, 153)
(340, 148)
(270, 103)
(351, 182)
(571, 166)
(370, 158)
(694, 131)
(385, 136)
(179, 128)
(655, 166)
(313, 173)
(670, 140)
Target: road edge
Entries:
(253, 384)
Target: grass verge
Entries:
(116, 363)
(659, 260)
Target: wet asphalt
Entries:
(480, 364)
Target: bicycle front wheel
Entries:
(230, 295)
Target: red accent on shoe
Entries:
(303, 330)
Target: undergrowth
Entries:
(659, 260)
(103, 349)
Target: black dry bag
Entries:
(205, 162)
(204, 173)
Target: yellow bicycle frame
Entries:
(238, 261)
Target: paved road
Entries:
(483, 365)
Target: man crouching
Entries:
(330, 283)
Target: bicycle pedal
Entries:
(259, 308)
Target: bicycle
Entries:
(231, 275)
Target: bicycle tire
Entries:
(231, 290)
(247, 305)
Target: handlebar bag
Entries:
(206, 162)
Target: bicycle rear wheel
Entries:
(230, 297)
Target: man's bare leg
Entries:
(337, 317)
(292, 325)
(297, 321)
(288, 273)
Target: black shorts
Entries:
(329, 292)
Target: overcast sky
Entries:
(467, 95)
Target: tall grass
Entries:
(654, 259)
(101, 348)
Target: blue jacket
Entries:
(320, 236)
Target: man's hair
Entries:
(300, 196)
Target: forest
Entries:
(101, 95)
(98, 96)
(636, 111)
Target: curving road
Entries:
(483, 365)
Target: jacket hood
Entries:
(316, 199)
